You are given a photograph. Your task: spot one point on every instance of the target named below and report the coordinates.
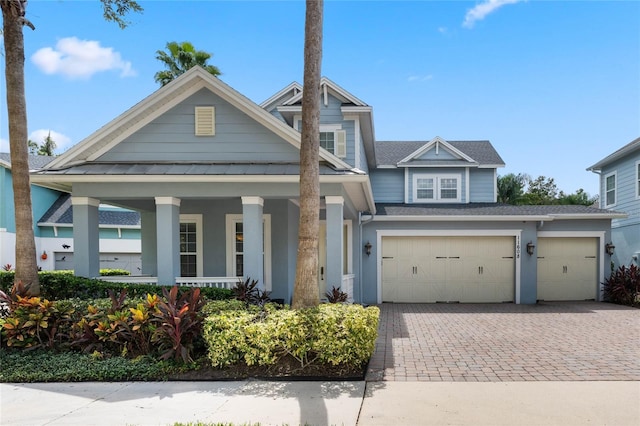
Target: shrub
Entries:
(56, 285)
(623, 286)
(34, 322)
(329, 334)
(48, 366)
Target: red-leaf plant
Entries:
(180, 323)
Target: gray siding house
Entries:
(620, 190)
(215, 177)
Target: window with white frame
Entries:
(610, 189)
(235, 247)
(436, 188)
(637, 179)
(191, 245)
(333, 139)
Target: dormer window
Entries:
(436, 188)
(333, 139)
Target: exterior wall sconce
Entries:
(367, 248)
(43, 256)
(609, 248)
(530, 248)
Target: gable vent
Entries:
(205, 121)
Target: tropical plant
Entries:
(180, 323)
(623, 286)
(336, 295)
(305, 291)
(511, 188)
(13, 18)
(179, 58)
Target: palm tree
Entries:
(179, 58)
(13, 19)
(47, 147)
(305, 291)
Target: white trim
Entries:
(85, 201)
(291, 87)
(194, 178)
(584, 234)
(70, 225)
(253, 200)
(467, 185)
(230, 221)
(615, 189)
(516, 233)
(437, 141)
(406, 186)
(637, 179)
(168, 201)
(197, 219)
(495, 185)
(334, 199)
(437, 178)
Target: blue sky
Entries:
(555, 86)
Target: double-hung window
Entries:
(333, 139)
(610, 189)
(436, 188)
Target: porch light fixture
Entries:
(367, 248)
(530, 248)
(609, 248)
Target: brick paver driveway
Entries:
(506, 342)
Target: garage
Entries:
(448, 269)
(567, 268)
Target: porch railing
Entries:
(347, 285)
(218, 282)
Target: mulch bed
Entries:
(287, 368)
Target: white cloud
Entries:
(480, 11)
(63, 142)
(76, 58)
(420, 78)
(4, 145)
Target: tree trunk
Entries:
(306, 289)
(26, 261)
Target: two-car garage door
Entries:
(448, 269)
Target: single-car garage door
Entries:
(567, 268)
(448, 269)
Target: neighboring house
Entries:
(53, 229)
(620, 190)
(215, 177)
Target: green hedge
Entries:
(56, 285)
(335, 334)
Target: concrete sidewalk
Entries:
(322, 403)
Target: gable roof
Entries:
(35, 161)
(632, 146)
(473, 153)
(283, 95)
(162, 101)
(61, 214)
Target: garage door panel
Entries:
(449, 269)
(567, 268)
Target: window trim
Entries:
(638, 180)
(615, 189)
(230, 222)
(339, 139)
(437, 194)
(197, 219)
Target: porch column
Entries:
(335, 244)
(86, 237)
(168, 239)
(149, 242)
(253, 243)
